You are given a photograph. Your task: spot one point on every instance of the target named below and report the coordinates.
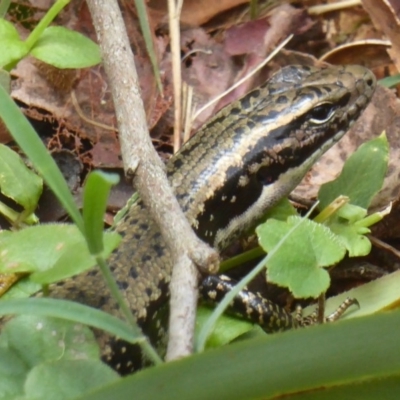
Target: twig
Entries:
(382, 245)
(80, 112)
(174, 12)
(140, 158)
(339, 5)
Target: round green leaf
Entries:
(12, 47)
(51, 252)
(299, 263)
(46, 358)
(66, 379)
(349, 234)
(64, 48)
(12, 374)
(37, 339)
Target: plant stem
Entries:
(241, 258)
(45, 22)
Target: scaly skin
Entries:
(250, 155)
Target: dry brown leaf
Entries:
(385, 15)
(209, 70)
(194, 12)
(372, 51)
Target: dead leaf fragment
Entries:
(370, 52)
(385, 15)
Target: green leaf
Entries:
(281, 211)
(95, 198)
(351, 213)
(36, 339)
(64, 48)
(12, 374)
(298, 263)
(226, 330)
(22, 289)
(66, 379)
(71, 311)
(381, 388)
(5, 80)
(18, 182)
(12, 47)
(50, 252)
(72, 264)
(343, 224)
(390, 81)
(4, 6)
(381, 294)
(12, 52)
(37, 351)
(45, 21)
(7, 30)
(362, 175)
(357, 244)
(316, 360)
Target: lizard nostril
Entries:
(370, 82)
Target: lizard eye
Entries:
(322, 113)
